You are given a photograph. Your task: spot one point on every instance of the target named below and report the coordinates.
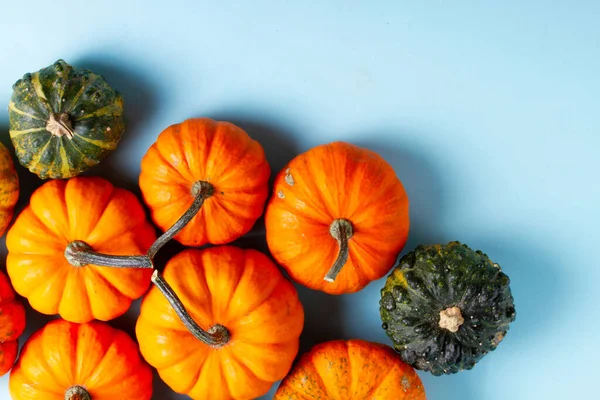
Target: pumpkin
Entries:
(353, 369)
(338, 218)
(12, 324)
(9, 188)
(65, 216)
(91, 361)
(211, 174)
(64, 120)
(445, 307)
(223, 323)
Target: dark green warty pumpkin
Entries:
(445, 307)
(64, 120)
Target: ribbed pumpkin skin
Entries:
(9, 188)
(102, 359)
(245, 292)
(328, 182)
(206, 150)
(94, 109)
(12, 324)
(351, 370)
(90, 209)
(431, 279)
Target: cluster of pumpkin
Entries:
(219, 322)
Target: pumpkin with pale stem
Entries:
(212, 172)
(351, 370)
(445, 307)
(64, 120)
(12, 324)
(338, 218)
(240, 333)
(9, 188)
(92, 361)
(63, 218)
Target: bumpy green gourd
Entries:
(64, 120)
(445, 307)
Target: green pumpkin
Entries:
(64, 120)
(445, 307)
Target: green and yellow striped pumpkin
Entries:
(64, 120)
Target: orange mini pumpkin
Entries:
(338, 218)
(353, 369)
(242, 331)
(92, 361)
(79, 213)
(12, 325)
(9, 188)
(211, 173)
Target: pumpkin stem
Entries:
(340, 230)
(60, 125)
(79, 254)
(451, 319)
(77, 393)
(201, 191)
(216, 336)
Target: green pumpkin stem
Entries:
(77, 393)
(340, 230)
(60, 125)
(201, 191)
(79, 254)
(216, 336)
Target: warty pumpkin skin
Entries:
(338, 218)
(12, 324)
(64, 120)
(445, 307)
(250, 311)
(64, 215)
(351, 370)
(92, 361)
(214, 167)
(9, 188)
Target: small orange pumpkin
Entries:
(240, 333)
(338, 218)
(353, 369)
(211, 173)
(92, 361)
(12, 325)
(9, 188)
(64, 215)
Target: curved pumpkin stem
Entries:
(201, 191)
(341, 230)
(216, 336)
(77, 393)
(79, 254)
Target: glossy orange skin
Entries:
(12, 324)
(206, 150)
(245, 292)
(91, 209)
(102, 359)
(351, 370)
(9, 188)
(331, 181)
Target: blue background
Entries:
(489, 111)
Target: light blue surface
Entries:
(489, 111)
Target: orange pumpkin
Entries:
(65, 215)
(92, 361)
(9, 188)
(338, 218)
(211, 173)
(12, 324)
(354, 369)
(242, 331)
